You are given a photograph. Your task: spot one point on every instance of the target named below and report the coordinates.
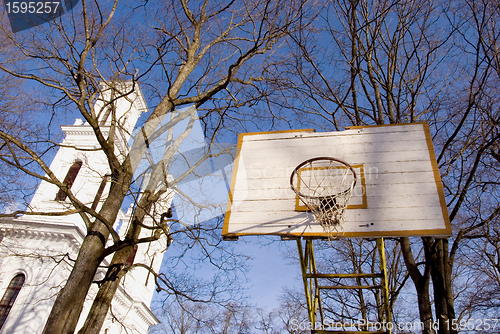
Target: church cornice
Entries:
(142, 310)
(41, 231)
(85, 136)
(82, 130)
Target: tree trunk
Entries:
(100, 306)
(122, 259)
(424, 306)
(436, 253)
(68, 305)
(69, 302)
(421, 282)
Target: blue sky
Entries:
(268, 271)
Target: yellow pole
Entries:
(303, 267)
(316, 292)
(385, 283)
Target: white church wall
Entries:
(43, 257)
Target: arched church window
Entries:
(9, 297)
(105, 117)
(98, 196)
(131, 257)
(69, 179)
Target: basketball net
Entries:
(325, 186)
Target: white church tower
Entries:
(36, 251)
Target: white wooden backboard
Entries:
(398, 191)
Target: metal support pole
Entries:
(312, 287)
(314, 284)
(303, 258)
(385, 283)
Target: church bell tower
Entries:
(37, 251)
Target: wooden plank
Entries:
(377, 216)
(291, 158)
(404, 131)
(373, 179)
(374, 202)
(373, 170)
(361, 144)
(270, 191)
(305, 229)
(332, 145)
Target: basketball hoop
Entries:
(325, 186)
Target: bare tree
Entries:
(185, 317)
(387, 61)
(292, 313)
(191, 53)
(404, 61)
(14, 119)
